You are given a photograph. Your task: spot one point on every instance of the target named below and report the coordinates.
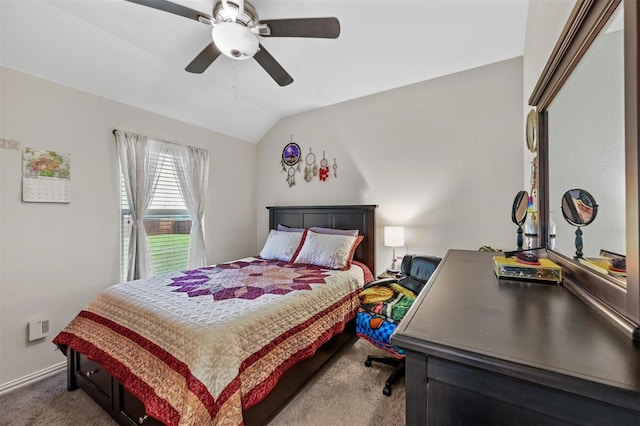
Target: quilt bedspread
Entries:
(199, 346)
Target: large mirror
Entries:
(586, 149)
(587, 103)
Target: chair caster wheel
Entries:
(367, 363)
(387, 391)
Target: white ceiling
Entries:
(137, 55)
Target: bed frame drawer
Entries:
(92, 377)
(132, 410)
(125, 408)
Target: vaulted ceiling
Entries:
(137, 55)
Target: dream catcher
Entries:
(311, 168)
(324, 168)
(291, 162)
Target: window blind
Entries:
(167, 223)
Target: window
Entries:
(166, 222)
(168, 204)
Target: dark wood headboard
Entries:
(360, 217)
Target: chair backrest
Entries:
(417, 270)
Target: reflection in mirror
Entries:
(618, 266)
(519, 214)
(586, 127)
(589, 117)
(579, 208)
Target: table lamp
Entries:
(394, 237)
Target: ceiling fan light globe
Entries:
(235, 40)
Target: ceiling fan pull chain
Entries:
(235, 81)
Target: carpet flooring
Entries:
(343, 392)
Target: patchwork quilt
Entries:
(382, 307)
(199, 346)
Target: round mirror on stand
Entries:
(519, 214)
(579, 208)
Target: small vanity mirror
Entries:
(519, 214)
(579, 208)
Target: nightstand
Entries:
(387, 274)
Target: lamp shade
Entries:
(394, 236)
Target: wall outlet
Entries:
(38, 329)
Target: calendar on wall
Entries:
(46, 176)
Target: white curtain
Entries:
(139, 163)
(192, 169)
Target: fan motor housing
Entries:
(231, 13)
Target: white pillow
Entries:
(281, 245)
(327, 250)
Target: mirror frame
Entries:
(620, 306)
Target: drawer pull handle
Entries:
(90, 373)
(142, 419)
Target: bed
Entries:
(227, 343)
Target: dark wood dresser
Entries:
(505, 352)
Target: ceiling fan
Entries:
(236, 29)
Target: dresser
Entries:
(508, 352)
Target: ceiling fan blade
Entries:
(272, 67)
(176, 9)
(303, 27)
(205, 58)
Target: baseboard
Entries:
(32, 378)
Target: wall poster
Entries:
(46, 176)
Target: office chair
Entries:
(383, 304)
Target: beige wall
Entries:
(56, 257)
(441, 157)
